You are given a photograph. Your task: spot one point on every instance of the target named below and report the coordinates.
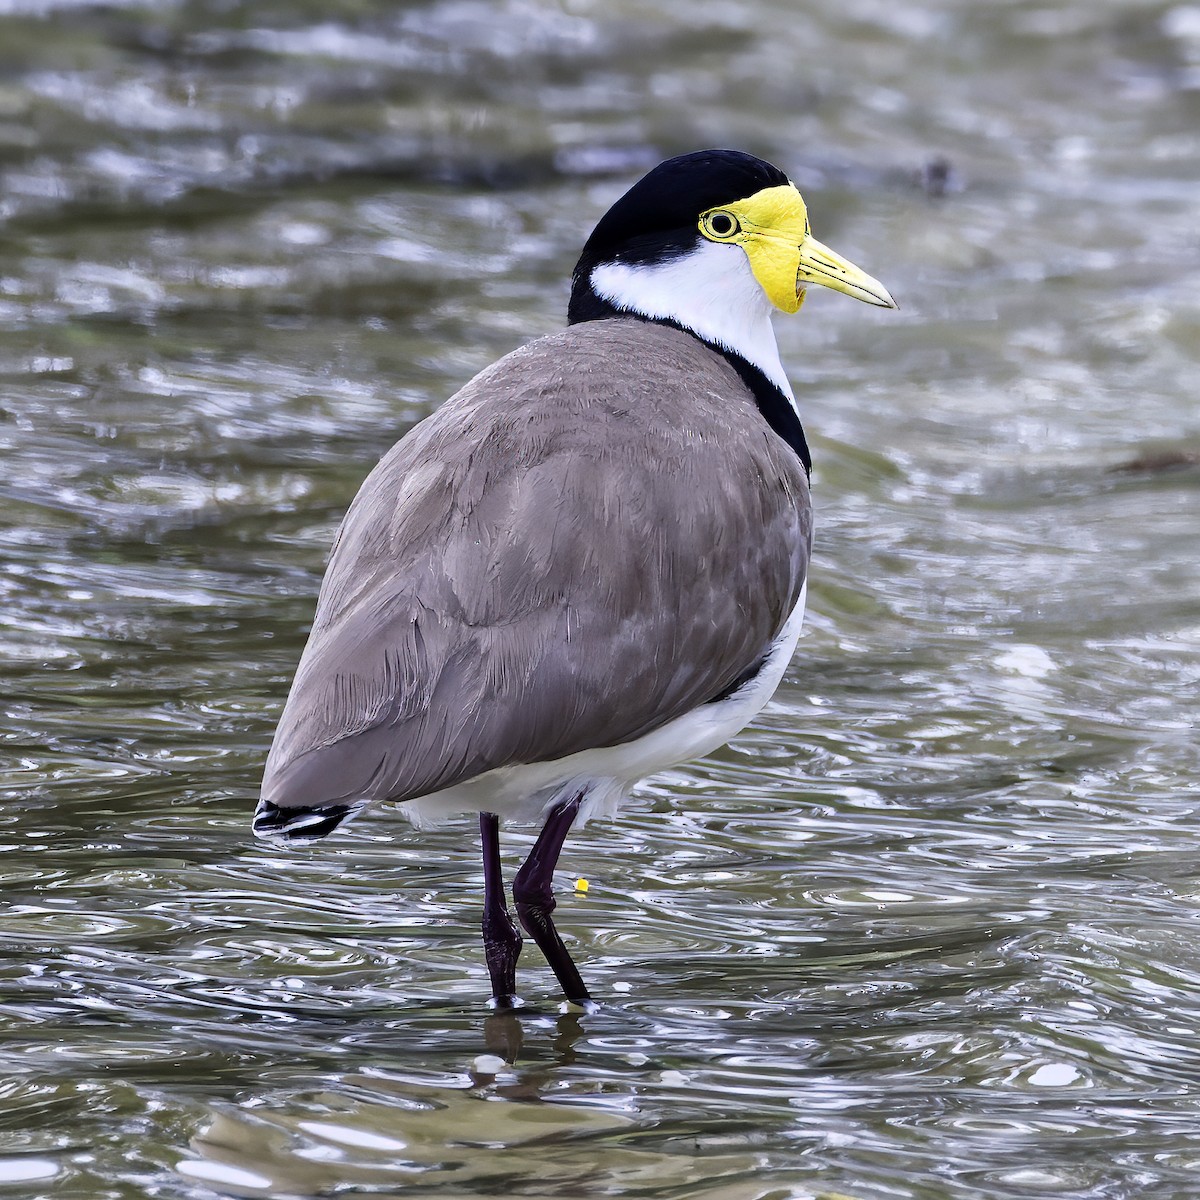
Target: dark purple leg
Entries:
(501, 941)
(533, 892)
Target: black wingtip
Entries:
(300, 824)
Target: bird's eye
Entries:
(720, 224)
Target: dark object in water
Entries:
(1159, 460)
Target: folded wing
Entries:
(567, 555)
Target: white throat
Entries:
(711, 291)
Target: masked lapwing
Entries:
(586, 566)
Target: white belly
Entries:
(524, 793)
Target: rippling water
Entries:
(927, 930)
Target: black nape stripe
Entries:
(776, 408)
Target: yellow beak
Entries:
(772, 228)
(819, 264)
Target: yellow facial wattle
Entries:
(772, 228)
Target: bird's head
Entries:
(714, 241)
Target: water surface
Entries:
(927, 930)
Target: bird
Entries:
(585, 567)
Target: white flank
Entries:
(524, 793)
(711, 291)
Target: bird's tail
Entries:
(300, 823)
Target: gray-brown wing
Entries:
(570, 553)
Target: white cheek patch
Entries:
(711, 291)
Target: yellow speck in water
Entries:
(581, 886)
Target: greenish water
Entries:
(929, 929)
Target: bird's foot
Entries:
(506, 1002)
(585, 1005)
